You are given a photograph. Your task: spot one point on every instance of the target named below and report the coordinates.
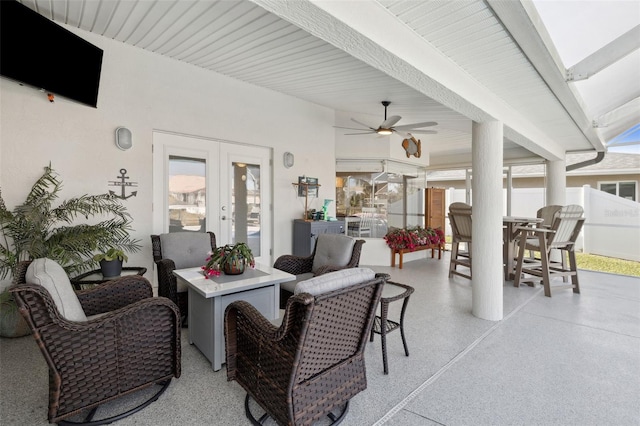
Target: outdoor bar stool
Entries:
(382, 325)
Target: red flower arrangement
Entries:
(410, 238)
(224, 256)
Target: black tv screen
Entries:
(40, 53)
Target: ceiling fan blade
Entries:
(424, 132)
(348, 128)
(362, 124)
(364, 133)
(390, 121)
(416, 125)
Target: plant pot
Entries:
(111, 268)
(235, 266)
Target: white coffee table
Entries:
(209, 297)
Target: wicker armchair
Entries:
(133, 344)
(313, 364)
(178, 250)
(332, 252)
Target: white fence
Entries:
(612, 223)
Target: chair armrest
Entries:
(167, 283)
(114, 294)
(122, 338)
(355, 255)
(260, 338)
(329, 268)
(534, 231)
(295, 265)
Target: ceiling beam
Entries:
(525, 25)
(606, 55)
(357, 31)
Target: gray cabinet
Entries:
(305, 234)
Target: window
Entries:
(187, 194)
(626, 189)
(375, 197)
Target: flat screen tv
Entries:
(40, 53)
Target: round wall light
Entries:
(288, 159)
(124, 140)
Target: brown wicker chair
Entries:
(134, 345)
(186, 250)
(307, 267)
(313, 364)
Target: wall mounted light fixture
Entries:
(288, 159)
(124, 140)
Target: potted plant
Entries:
(111, 262)
(231, 259)
(38, 228)
(412, 237)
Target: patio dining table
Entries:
(510, 223)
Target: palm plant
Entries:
(37, 228)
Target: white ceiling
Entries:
(243, 40)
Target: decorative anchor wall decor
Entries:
(122, 184)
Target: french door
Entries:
(210, 185)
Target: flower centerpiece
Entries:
(410, 238)
(231, 259)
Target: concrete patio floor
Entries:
(565, 360)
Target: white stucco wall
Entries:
(145, 92)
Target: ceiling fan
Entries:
(387, 127)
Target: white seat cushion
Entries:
(334, 281)
(333, 249)
(54, 279)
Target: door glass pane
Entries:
(628, 190)
(187, 194)
(414, 196)
(609, 188)
(395, 201)
(246, 205)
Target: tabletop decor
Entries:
(232, 259)
(413, 237)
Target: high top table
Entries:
(509, 224)
(209, 297)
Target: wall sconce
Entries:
(288, 159)
(124, 140)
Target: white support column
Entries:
(556, 183)
(509, 189)
(487, 273)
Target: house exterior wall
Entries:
(145, 92)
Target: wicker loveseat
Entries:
(101, 343)
(313, 364)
